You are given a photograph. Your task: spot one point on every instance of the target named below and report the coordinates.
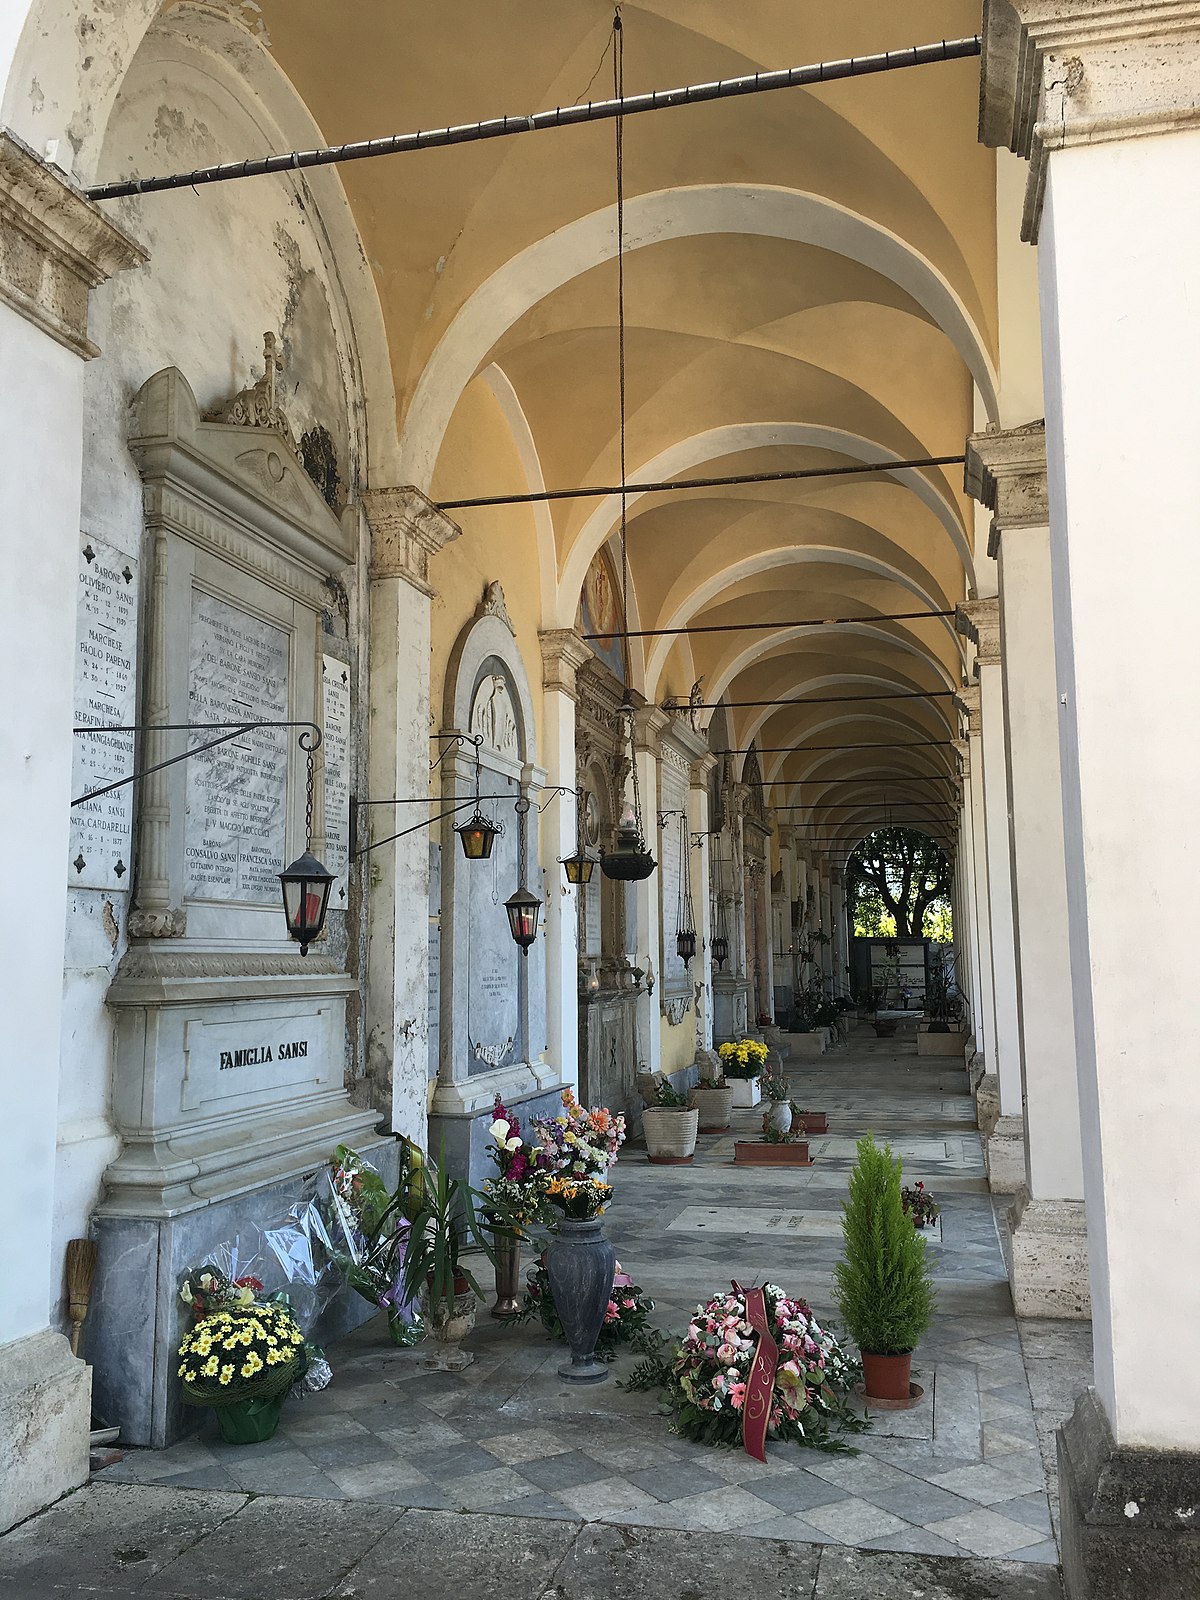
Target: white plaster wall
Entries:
(1005, 1055)
(226, 264)
(1121, 345)
(40, 433)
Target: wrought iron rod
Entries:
(757, 627)
(187, 727)
(558, 117)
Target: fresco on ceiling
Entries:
(600, 612)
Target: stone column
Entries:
(1103, 98)
(825, 956)
(54, 249)
(841, 934)
(649, 723)
(974, 867)
(1004, 1146)
(1049, 1268)
(702, 967)
(406, 530)
(563, 653)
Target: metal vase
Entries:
(507, 1249)
(581, 1263)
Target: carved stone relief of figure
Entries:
(493, 716)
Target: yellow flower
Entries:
(180, 1372)
(252, 1364)
(227, 1373)
(209, 1369)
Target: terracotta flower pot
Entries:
(887, 1377)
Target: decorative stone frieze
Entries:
(55, 247)
(968, 703)
(406, 529)
(1006, 473)
(1062, 73)
(979, 621)
(563, 653)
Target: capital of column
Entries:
(701, 770)
(979, 621)
(55, 247)
(563, 653)
(969, 702)
(406, 529)
(1057, 73)
(1006, 472)
(648, 724)
(962, 749)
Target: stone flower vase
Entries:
(507, 1247)
(581, 1263)
(448, 1323)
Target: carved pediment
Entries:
(216, 479)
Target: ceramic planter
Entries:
(580, 1264)
(715, 1107)
(779, 1116)
(670, 1134)
(887, 1377)
(447, 1323)
(746, 1092)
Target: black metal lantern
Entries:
(629, 861)
(305, 884)
(685, 916)
(477, 836)
(720, 951)
(524, 907)
(578, 866)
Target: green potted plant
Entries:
(443, 1223)
(884, 1290)
(669, 1125)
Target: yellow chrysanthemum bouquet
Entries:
(743, 1058)
(241, 1354)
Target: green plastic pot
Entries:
(250, 1421)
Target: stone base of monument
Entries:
(1126, 1523)
(136, 1319)
(462, 1112)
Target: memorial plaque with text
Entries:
(493, 984)
(105, 696)
(335, 726)
(236, 833)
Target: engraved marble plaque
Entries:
(335, 726)
(493, 1026)
(105, 696)
(236, 832)
(252, 1058)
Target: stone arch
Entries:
(537, 271)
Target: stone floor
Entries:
(962, 1475)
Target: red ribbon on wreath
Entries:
(760, 1385)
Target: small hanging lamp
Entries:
(578, 867)
(720, 942)
(477, 834)
(685, 916)
(306, 883)
(629, 861)
(523, 907)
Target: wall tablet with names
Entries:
(235, 836)
(105, 697)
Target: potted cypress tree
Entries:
(884, 1287)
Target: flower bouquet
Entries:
(920, 1205)
(577, 1152)
(742, 1059)
(518, 1191)
(242, 1360)
(372, 1224)
(626, 1317)
(775, 1087)
(704, 1375)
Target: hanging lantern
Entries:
(523, 910)
(578, 866)
(629, 861)
(720, 951)
(685, 916)
(524, 907)
(477, 836)
(305, 884)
